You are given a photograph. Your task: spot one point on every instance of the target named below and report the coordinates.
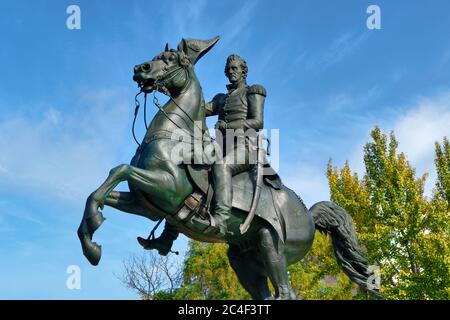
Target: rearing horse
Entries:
(283, 229)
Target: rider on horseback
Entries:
(240, 115)
(161, 188)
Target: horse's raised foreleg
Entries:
(127, 202)
(146, 180)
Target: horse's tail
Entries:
(331, 219)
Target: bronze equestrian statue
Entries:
(241, 109)
(282, 230)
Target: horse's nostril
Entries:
(146, 67)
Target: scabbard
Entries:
(258, 185)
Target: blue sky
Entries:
(66, 104)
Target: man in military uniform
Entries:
(239, 110)
(242, 111)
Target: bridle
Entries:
(160, 85)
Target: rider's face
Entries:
(234, 71)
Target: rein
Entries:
(160, 84)
(136, 110)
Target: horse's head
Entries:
(168, 72)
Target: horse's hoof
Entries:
(91, 250)
(286, 293)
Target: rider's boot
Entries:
(163, 243)
(223, 195)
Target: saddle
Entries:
(195, 213)
(194, 222)
(243, 184)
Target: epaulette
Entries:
(257, 89)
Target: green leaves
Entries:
(442, 162)
(207, 274)
(405, 233)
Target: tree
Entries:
(152, 276)
(405, 233)
(442, 162)
(207, 274)
(318, 276)
(439, 224)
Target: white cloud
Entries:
(186, 16)
(9, 212)
(425, 122)
(52, 116)
(3, 170)
(236, 25)
(342, 46)
(418, 130)
(422, 126)
(63, 156)
(307, 180)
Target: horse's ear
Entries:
(167, 47)
(195, 49)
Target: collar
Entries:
(238, 85)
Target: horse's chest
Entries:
(158, 153)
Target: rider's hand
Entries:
(221, 125)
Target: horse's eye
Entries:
(172, 57)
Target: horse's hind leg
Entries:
(272, 252)
(249, 273)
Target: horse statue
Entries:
(282, 230)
